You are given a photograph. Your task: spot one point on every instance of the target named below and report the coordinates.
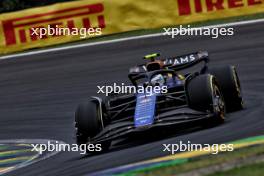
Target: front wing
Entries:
(178, 117)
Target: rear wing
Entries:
(175, 63)
(186, 61)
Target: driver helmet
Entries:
(158, 80)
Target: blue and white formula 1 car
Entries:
(198, 96)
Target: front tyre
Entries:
(204, 95)
(88, 123)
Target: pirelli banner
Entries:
(18, 29)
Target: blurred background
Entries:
(14, 5)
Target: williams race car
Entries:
(204, 95)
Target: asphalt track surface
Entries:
(39, 95)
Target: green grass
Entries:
(200, 162)
(249, 170)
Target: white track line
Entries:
(30, 141)
(29, 53)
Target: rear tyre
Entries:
(204, 95)
(229, 83)
(88, 123)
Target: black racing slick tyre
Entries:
(88, 123)
(204, 95)
(229, 83)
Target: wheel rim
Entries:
(218, 102)
(238, 86)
